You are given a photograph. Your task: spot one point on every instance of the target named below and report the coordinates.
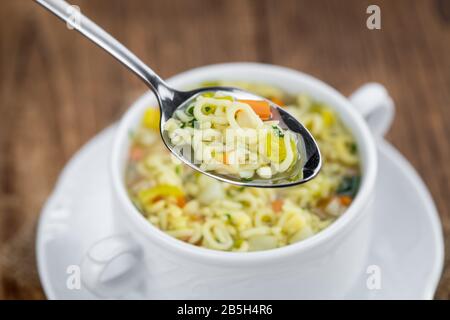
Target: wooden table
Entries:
(57, 90)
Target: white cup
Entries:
(159, 266)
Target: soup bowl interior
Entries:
(290, 81)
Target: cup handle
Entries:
(111, 266)
(376, 106)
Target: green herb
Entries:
(349, 186)
(183, 125)
(208, 94)
(278, 131)
(178, 170)
(246, 179)
(353, 148)
(190, 110)
(228, 216)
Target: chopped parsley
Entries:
(353, 148)
(278, 131)
(349, 186)
(190, 110)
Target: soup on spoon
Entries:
(240, 138)
(236, 138)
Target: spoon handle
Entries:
(90, 30)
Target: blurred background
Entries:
(57, 90)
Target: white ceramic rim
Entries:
(210, 256)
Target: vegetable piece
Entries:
(151, 118)
(349, 186)
(353, 148)
(277, 205)
(229, 98)
(345, 200)
(278, 131)
(262, 242)
(264, 172)
(190, 110)
(246, 175)
(225, 158)
(261, 108)
(158, 192)
(215, 96)
(334, 207)
(278, 147)
(181, 201)
(136, 153)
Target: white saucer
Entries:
(407, 242)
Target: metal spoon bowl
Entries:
(306, 168)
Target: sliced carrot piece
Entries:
(277, 101)
(181, 201)
(261, 108)
(277, 205)
(136, 153)
(345, 200)
(157, 198)
(225, 158)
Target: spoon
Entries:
(170, 100)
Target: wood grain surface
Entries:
(57, 90)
